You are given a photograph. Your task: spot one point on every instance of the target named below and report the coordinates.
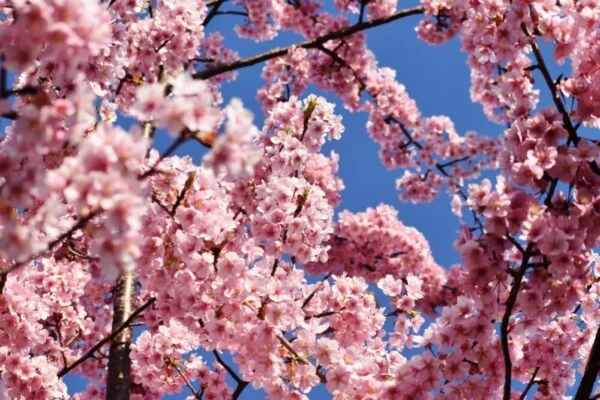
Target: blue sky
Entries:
(437, 77)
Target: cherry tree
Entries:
(238, 270)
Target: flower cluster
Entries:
(189, 106)
(375, 244)
(237, 257)
(65, 34)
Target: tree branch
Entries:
(186, 187)
(510, 303)
(312, 294)
(308, 44)
(213, 11)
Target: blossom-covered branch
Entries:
(308, 44)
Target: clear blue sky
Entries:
(436, 77)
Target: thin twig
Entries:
(186, 187)
(301, 359)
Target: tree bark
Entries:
(119, 363)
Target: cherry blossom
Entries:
(242, 267)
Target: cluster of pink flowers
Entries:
(285, 76)
(293, 213)
(375, 244)
(102, 178)
(170, 38)
(236, 150)
(188, 107)
(64, 34)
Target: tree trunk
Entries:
(119, 363)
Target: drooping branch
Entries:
(108, 338)
(441, 167)
(308, 44)
(119, 362)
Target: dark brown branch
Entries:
(101, 343)
(455, 161)
(213, 11)
(363, 5)
(3, 78)
(308, 44)
(232, 12)
(238, 390)
(411, 141)
(515, 243)
(510, 303)
(12, 115)
(323, 314)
